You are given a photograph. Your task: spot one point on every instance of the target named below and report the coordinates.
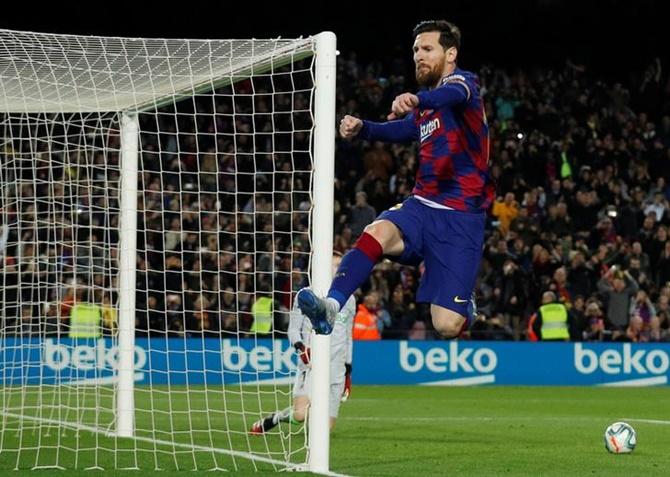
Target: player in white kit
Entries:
(341, 349)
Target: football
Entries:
(620, 438)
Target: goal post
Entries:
(125, 394)
(161, 201)
(324, 172)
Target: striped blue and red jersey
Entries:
(450, 126)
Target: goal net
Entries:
(156, 216)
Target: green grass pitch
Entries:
(382, 430)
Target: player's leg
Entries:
(446, 322)
(450, 323)
(300, 408)
(294, 414)
(336, 390)
(453, 249)
(381, 237)
(386, 236)
(270, 422)
(303, 384)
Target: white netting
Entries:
(65, 73)
(225, 170)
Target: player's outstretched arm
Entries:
(350, 126)
(399, 131)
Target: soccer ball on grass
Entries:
(620, 438)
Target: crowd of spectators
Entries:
(582, 168)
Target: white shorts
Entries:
(303, 384)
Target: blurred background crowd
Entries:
(581, 162)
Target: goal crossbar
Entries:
(133, 74)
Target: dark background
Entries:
(609, 36)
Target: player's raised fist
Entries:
(350, 126)
(403, 104)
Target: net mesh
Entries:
(224, 200)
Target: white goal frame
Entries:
(128, 107)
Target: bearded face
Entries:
(428, 76)
(430, 59)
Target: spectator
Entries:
(362, 214)
(560, 286)
(578, 312)
(261, 312)
(634, 332)
(617, 287)
(28, 324)
(492, 329)
(637, 253)
(365, 321)
(109, 315)
(558, 222)
(418, 331)
(511, 295)
(403, 314)
(656, 246)
(595, 329)
(663, 269)
(378, 161)
(658, 206)
(643, 307)
(551, 322)
(505, 210)
(581, 275)
(202, 319)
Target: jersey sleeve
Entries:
(455, 90)
(399, 131)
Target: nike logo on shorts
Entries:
(457, 299)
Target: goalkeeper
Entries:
(341, 348)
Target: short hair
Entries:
(549, 295)
(450, 34)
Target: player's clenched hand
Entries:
(402, 105)
(304, 353)
(350, 126)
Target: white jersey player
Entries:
(341, 350)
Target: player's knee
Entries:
(387, 234)
(449, 326)
(377, 230)
(299, 415)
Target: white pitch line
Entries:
(497, 418)
(648, 421)
(83, 427)
(472, 418)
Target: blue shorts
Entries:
(450, 244)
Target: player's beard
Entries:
(429, 77)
